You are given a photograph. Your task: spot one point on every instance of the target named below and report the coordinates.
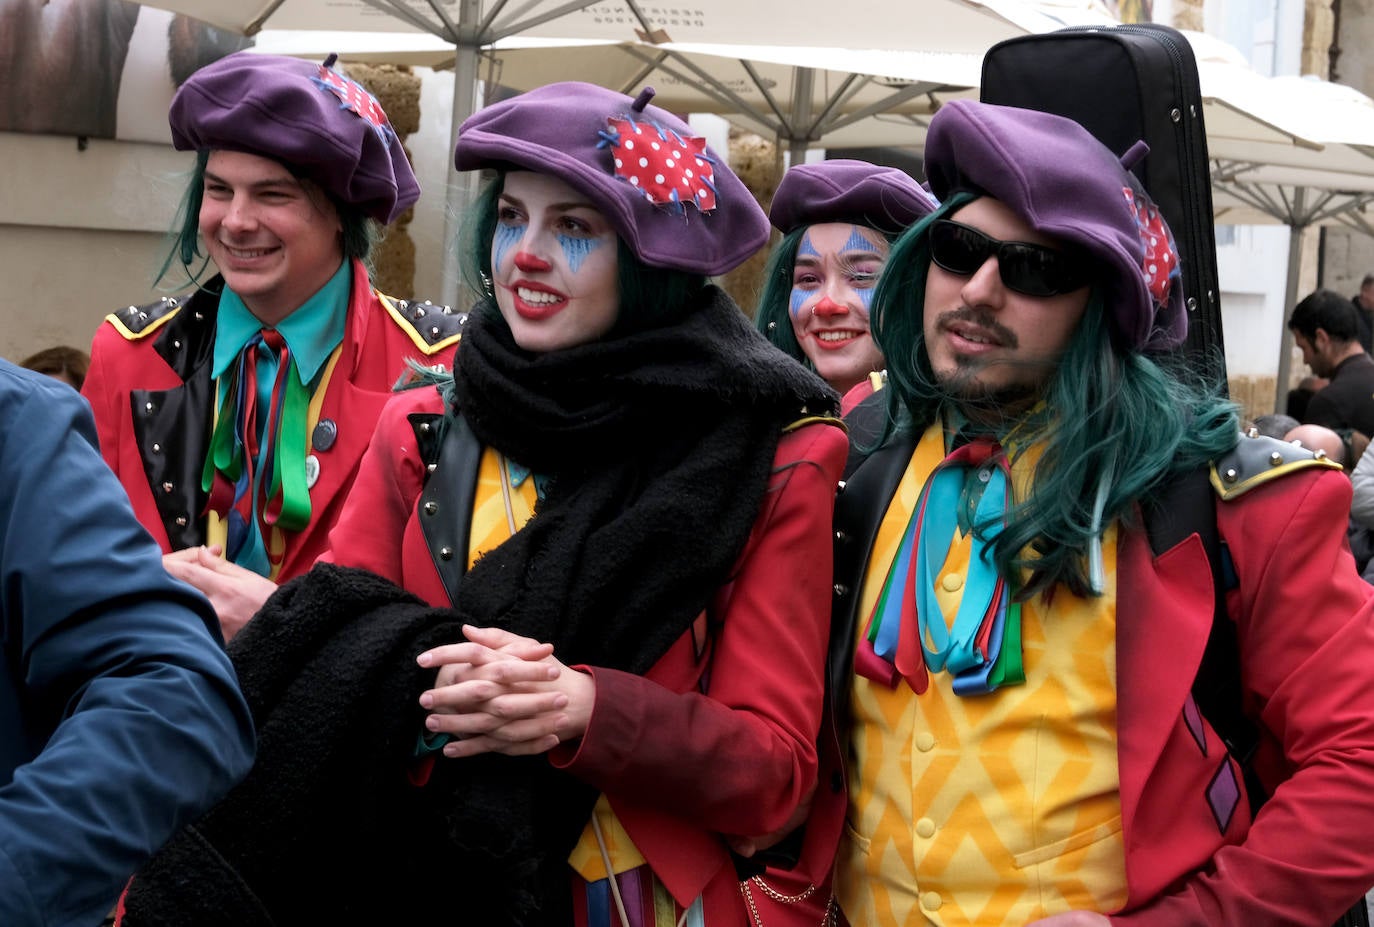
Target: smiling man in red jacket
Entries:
(236, 416)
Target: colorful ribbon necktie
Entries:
(255, 470)
(908, 633)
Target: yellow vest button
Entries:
(925, 827)
(925, 741)
(952, 582)
(931, 901)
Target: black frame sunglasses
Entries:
(1032, 270)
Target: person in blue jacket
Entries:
(121, 717)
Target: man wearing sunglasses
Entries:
(1017, 741)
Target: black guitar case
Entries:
(1126, 83)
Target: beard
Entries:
(980, 401)
(1017, 384)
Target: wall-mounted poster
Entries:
(98, 68)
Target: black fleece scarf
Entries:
(660, 444)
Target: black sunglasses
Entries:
(1033, 270)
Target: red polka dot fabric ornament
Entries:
(354, 98)
(672, 200)
(671, 170)
(1160, 262)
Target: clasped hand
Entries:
(498, 692)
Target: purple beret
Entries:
(881, 198)
(674, 201)
(1063, 182)
(304, 115)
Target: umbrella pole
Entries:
(459, 190)
(1290, 298)
(803, 82)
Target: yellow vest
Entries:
(992, 809)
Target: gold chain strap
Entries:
(828, 920)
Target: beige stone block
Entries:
(398, 90)
(1188, 15)
(1254, 395)
(757, 161)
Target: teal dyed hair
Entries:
(649, 296)
(773, 316)
(360, 233)
(1110, 422)
(774, 308)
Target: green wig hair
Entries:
(649, 296)
(360, 232)
(1114, 426)
(773, 316)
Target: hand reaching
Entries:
(235, 592)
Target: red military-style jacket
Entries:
(680, 767)
(1305, 627)
(150, 387)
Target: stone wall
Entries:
(1345, 50)
(1254, 394)
(398, 90)
(758, 162)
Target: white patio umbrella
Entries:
(955, 26)
(1323, 176)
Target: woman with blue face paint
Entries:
(613, 490)
(620, 502)
(838, 219)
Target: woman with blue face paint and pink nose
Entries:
(620, 683)
(838, 219)
(639, 677)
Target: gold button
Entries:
(925, 827)
(952, 582)
(931, 901)
(925, 741)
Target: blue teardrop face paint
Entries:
(576, 250)
(505, 238)
(799, 296)
(857, 241)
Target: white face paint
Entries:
(554, 265)
(833, 280)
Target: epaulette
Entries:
(810, 418)
(137, 322)
(1256, 459)
(432, 327)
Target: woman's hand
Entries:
(503, 693)
(235, 592)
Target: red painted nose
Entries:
(529, 263)
(828, 306)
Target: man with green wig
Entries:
(1016, 641)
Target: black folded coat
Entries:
(326, 827)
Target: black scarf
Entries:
(660, 444)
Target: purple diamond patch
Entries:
(1192, 717)
(1223, 794)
